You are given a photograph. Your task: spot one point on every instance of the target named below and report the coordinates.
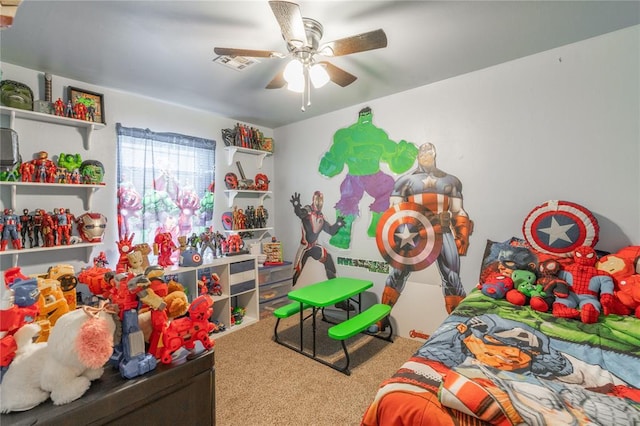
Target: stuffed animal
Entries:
(496, 286)
(62, 368)
(629, 293)
(552, 286)
(590, 288)
(524, 283)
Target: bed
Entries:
(493, 362)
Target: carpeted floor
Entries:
(259, 382)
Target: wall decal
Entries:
(313, 223)
(362, 147)
(426, 223)
(369, 265)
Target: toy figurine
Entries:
(26, 225)
(63, 227)
(127, 291)
(10, 227)
(48, 230)
(186, 331)
(37, 228)
(58, 107)
(46, 169)
(207, 240)
(27, 169)
(164, 247)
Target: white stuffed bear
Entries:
(78, 347)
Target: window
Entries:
(165, 184)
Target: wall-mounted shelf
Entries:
(15, 253)
(232, 193)
(88, 126)
(237, 231)
(260, 155)
(89, 189)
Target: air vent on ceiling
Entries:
(238, 63)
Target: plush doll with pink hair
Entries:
(62, 369)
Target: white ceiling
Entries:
(164, 49)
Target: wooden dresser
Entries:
(170, 395)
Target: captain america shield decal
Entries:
(407, 238)
(559, 227)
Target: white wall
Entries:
(563, 124)
(131, 111)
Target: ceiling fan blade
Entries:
(290, 20)
(358, 43)
(338, 75)
(277, 82)
(229, 51)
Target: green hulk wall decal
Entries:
(362, 147)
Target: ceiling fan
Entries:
(303, 36)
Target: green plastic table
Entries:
(321, 295)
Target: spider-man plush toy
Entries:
(591, 289)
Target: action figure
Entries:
(63, 226)
(26, 228)
(362, 147)
(10, 227)
(313, 223)
(441, 194)
(164, 247)
(207, 240)
(27, 169)
(37, 228)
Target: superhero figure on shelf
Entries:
(362, 147)
(313, 223)
(63, 226)
(37, 228)
(26, 228)
(10, 228)
(164, 247)
(439, 195)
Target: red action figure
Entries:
(163, 247)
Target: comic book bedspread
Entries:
(492, 362)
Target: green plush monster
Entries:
(16, 95)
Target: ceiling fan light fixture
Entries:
(293, 72)
(319, 75)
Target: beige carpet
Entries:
(259, 382)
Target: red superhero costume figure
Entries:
(164, 247)
(27, 169)
(591, 289)
(125, 246)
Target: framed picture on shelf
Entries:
(267, 144)
(86, 105)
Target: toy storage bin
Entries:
(275, 290)
(267, 307)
